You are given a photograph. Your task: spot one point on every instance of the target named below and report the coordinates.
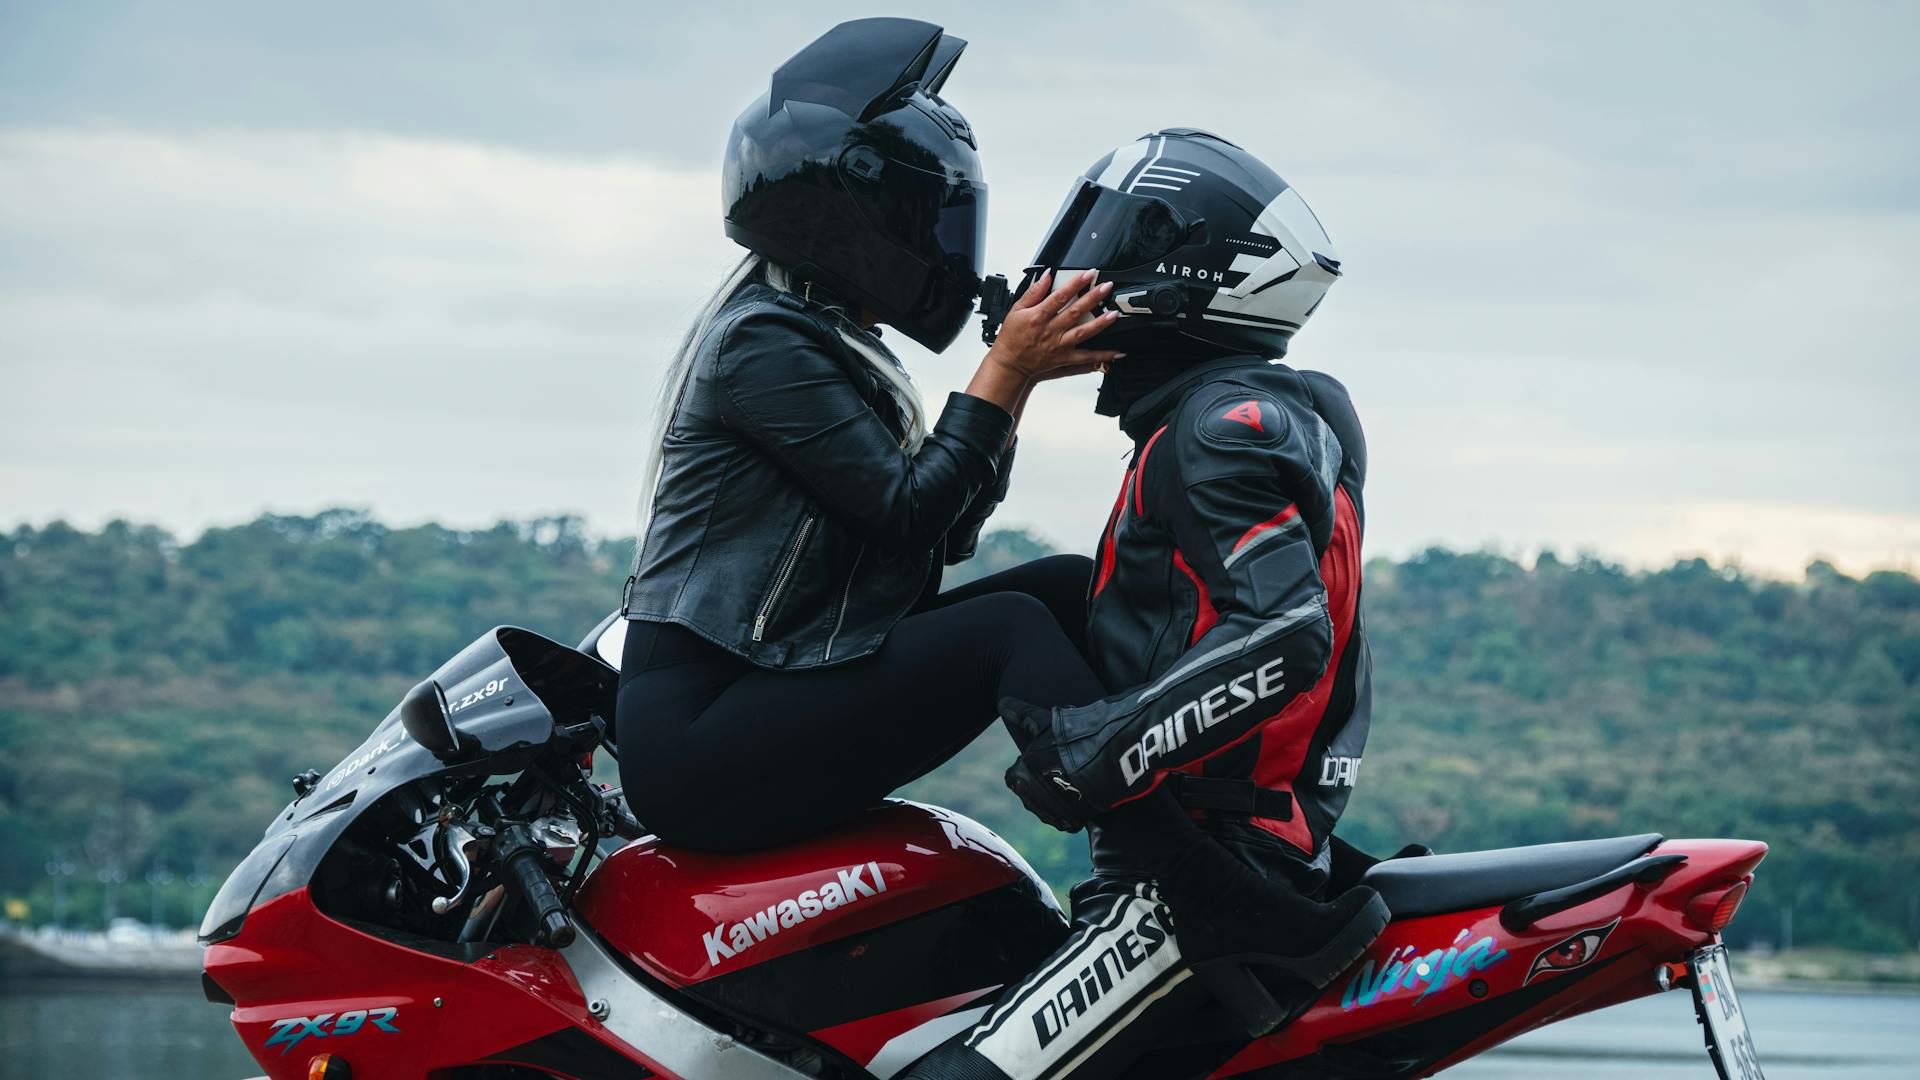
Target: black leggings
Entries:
(720, 755)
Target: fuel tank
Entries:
(905, 909)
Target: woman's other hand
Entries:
(1042, 338)
(1044, 331)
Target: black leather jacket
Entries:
(1225, 615)
(790, 527)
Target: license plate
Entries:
(1729, 1042)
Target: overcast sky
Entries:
(1633, 278)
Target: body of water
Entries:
(1799, 1036)
(117, 1031)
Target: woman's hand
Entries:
(1041, 340)
(1044, 331)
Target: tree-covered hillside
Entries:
(156, 696)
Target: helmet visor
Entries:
(938, 218)
(923, 271)
(1104, 229)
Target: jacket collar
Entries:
(1143, 417)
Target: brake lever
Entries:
(457, 840)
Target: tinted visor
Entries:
(1100, 228)
(941, 220)
(919, 268)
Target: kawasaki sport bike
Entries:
(458, 900)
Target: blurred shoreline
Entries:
(1823, 970)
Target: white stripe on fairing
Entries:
(914, 1043)
(1244, 263)
(1124, 159)
(1176, 168)
(640, 1018)
(1137, 185)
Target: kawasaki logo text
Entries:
(728, 940)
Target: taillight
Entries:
(1712, 911)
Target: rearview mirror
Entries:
(423, 712)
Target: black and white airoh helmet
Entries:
(1204, 244)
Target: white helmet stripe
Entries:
(1271, 269)
(1159, 151)
(1122, 163)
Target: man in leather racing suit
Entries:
(1224, 620)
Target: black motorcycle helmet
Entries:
(1210, 253)
(853, 174)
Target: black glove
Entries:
(1036, 777)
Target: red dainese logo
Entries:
(1248, 413)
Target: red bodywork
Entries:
(925, 858)
(1653, 930)
(292, 963)
(290, 960)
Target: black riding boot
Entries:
(1229, 918)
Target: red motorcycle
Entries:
(457, 900)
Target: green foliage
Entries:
(156, 696)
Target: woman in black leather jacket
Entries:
(789, 657)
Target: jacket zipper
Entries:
(846, 595)
(782, 579)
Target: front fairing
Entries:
(508, 693)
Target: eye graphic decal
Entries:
(1577, 951)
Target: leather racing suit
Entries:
(1224, 616)
(1225, 609)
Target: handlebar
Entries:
(522, 858)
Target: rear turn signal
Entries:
(1712, 911)
(328, 1067)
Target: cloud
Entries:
(1599, 281)
(194, 327)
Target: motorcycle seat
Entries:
(1437, 884)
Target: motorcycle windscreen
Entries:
(507, 693)
(1099, 228)
(230, 905)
